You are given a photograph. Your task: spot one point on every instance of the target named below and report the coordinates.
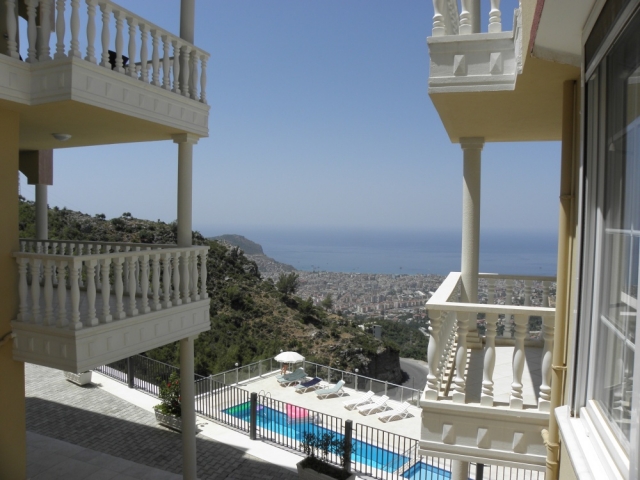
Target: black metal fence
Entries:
(223, 403)
(140, 372)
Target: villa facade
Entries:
(569, 72)
(88, 73)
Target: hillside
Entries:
(250, 318)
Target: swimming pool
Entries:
(422, 471)
(279, 422)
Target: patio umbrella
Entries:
(289, 357)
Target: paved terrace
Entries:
(92, 432)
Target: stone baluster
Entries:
(90, 268)
(32, 31)
(185, 277)
(166, 54)
(435, 324)
(44, 51)
(23, 290)
(166, 280)
(60, 29)
(155, 58)
(23, 246)
(143, 260)
(133, 27)
(132, 311)
(459, 382)
(119, 16)
(176, 279)
(184, 68)
(91, 32)
(74, 276)
(527, 292)
(545, 294)
(466, 22)
(105, 37)
(63, 248)
(155, 281)
(136, 264)
(203, 79)
(126, 272)
(99, 269)
(74, 51)
(495, 17)
(118, 287)
(548, 329)
(49, 266)
(144, 52)
(193, 74)
(105, 265)
(203, 274)
(438, 18)
(35, 290)
(62, 294)
(193, 268)
(515, 399)
(12, 29)
(491, 321)
(176, 66)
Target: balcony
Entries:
(492, 409)
(462, 61)
(84, 304)
(101, 73)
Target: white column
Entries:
(187, 19)
(42, 223)
(472, 148)
(189, 466)
(185, 159)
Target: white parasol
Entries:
(289, 357)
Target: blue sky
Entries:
(319, 118)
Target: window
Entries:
(612, 243)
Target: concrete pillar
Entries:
(189, 465)
(472, 148)
(475, 16)
(459, 470)
(187, 19)
(42, 215)
(185, 180)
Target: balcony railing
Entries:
(76, 285)
(449, 20)
(138, 49)
(450, 317)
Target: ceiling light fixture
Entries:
(62, 137)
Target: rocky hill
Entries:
(250, 318)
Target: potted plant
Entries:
(317, 448)
(169, 411)
(82, 378)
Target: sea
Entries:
(394, 251)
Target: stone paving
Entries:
(94, 419)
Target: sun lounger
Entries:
(294, 377)
(310, 385)
(357, 402)
(375, 406)
(401, 411)
(332, 390)
(279, 376)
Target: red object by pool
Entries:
(296, 413)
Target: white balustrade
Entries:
(187, 68)
(120, 281)
(446, 20)
(447, 313)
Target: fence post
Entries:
(130, 372)
(386, 387)
(253, 414)
(236, 373)
(348, 435)
(479, 471)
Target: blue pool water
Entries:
(422, 471)
(278, 422)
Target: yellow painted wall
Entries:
(566, 468)
(13, 442)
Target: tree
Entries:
(288, 283)
(327, 303)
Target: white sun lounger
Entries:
(332, 390)
(357, 402)
(401, 411)
(374, 406)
